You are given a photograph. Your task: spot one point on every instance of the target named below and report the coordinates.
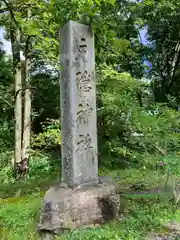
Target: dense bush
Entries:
(6, 135)
(131, 128)
(41, 162)
(41, 165)
(50, 138)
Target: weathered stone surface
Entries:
(67, 208)
(78, 105)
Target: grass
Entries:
(28, 187)
(124, 177)
(19, 215)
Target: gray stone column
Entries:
(78, 105)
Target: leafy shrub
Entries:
(129, 127)
(50, 137)
(158, 134)
(6, 174)
(40, 164)
(5, 158)
(6, 135)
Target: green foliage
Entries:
(158, 127)
(46, 83)
(41, 164)
(6, 135)
(50, 137)
(6, 175)
(172, 165)
(132, 125)
(97, 234)
(6, 89)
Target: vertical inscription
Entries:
(78, 105)
(85, 151)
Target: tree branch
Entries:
(11, 13)
(5, 101)
(22, 89)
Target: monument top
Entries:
(78, 105)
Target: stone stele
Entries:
(82, 199)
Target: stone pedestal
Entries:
(67, 208)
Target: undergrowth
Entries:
(19, 215)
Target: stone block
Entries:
(67, 208)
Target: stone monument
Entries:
(82, 198)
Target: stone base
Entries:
(66, 208)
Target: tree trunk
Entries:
(22, 132)
(27, 102)
(27, 112)
(15, 41)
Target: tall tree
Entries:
(22, 132)
(161, 18)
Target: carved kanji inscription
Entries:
(83, 81)
(84, 141)
(84, 110)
